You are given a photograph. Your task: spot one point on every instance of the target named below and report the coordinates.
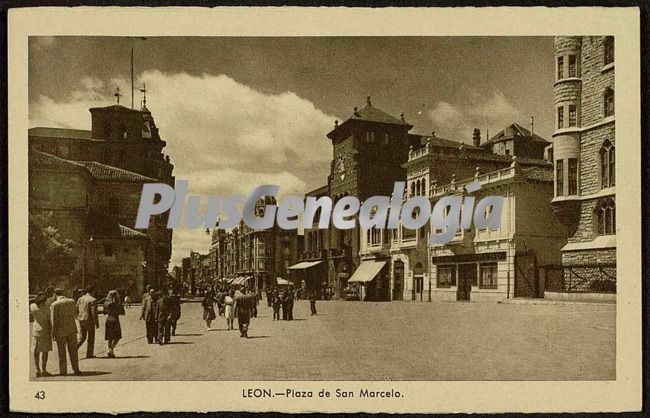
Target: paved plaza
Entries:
(371, 341)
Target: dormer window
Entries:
(608, 50)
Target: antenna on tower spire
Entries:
(144, 95)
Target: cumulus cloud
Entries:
(222, 136)
(458, 121)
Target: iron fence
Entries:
(582, 278)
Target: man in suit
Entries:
(88, 321)
(64, 331)
(163, 315)
(290, 299)
(148, 315)
(312, 302)
(175, 309)
(243, 308)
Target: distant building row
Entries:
(557, 235)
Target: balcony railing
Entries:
(505, 173)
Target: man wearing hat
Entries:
(64, 331)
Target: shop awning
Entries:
(282, 281)
(305, 265)
(241, 280)
(367, 271)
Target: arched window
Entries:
(608, 102)
(417, 188)
(412, 188)
(424, 187)
(606, 217)
(607, 165)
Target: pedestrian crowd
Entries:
(56, 317)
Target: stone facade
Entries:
(590, 142)
(94, 206)
(123, 138)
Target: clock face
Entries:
(340, 166)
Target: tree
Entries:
(50, 256)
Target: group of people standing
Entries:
(161, 311)
(240, 303)
(55, 318)
(284, 299)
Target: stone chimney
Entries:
(476, 137)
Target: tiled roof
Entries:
(106, 172)
(544, 174)
(127, 232)
(436, 141)
(515, 130)
(102, 224)
(60, 133)
(97, 170)
(370, 113)
(49, 160)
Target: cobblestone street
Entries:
(371, 341)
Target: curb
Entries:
(552, 302)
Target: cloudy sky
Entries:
(240, 112)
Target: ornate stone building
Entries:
(126, 139)
(584, 161)
(261, 256)
(440, 162)
(369, 149)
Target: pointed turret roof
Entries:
(369, 113)
(512, 131)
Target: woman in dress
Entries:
(113, 309)
(229, 314)
(208, 309)
(41, 332)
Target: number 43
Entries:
(40, 395)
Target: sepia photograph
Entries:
(304, 208)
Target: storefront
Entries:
(312, 273)
(371, 277)
(467, 277)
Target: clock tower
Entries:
(369, 149)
